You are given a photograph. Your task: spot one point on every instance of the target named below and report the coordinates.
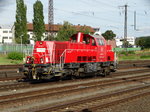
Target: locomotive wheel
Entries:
(38, 76)
(30, 75)
(73, 77)
(106, 71)
(34, 75)
(112, 68)
(76, 74)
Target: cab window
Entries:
(93, 42)
(74, 39)
(100, 41)
(86, 40)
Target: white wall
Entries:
(31, 37)
(118, 42)
(6, 35)
(131, 40)
(30, 33)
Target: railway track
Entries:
(8, 67)
(75, 95)
(21, 85)
(34, 96)
(99, 101)
(73, 88)
(11, 71)
(14, 78)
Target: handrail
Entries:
(62, 61)
(61, 65)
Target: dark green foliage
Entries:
(38, 21)
(50, 37)
(145, 57)
(15, 56)
(131, 52)
(109, 35)
(127, 52)
(66, 31)
(126, 44)
(84, 29)
(143, 42)
(21, 23)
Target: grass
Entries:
(131, 57)
(136, 55)
(145, 57)
(5, 61)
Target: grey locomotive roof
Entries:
(97, 36)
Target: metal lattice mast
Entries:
(125, 26)
(50, 20)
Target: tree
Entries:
(84, 29)
(21, 23)
(126, 44)
(140, 42)
(143, 42)
(109, 35)
(66, 31)
(38, 21)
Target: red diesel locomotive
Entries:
(82, 55)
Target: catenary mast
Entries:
(50, 20)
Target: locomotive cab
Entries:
(83, 38)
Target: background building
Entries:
(6, 34)
(55, 30)
(119, 41)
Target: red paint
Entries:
(81, 48)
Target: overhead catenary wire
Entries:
(91, 3)
(95, 9)
(81, 22)
(94, 17)
(143, 13)
(104, 3)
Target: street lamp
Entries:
(21, 42)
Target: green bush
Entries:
(131, 52)
(145, 57)
(127, 52)
(123, 52)
(15, 56)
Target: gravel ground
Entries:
(125, 70)
(63, 98)
(137, 105)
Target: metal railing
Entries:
(7, 48)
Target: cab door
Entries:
(101, 50)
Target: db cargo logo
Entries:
(40, 49)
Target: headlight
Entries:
(41, 59)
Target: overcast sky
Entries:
(103, 14)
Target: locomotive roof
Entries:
(97, 36)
